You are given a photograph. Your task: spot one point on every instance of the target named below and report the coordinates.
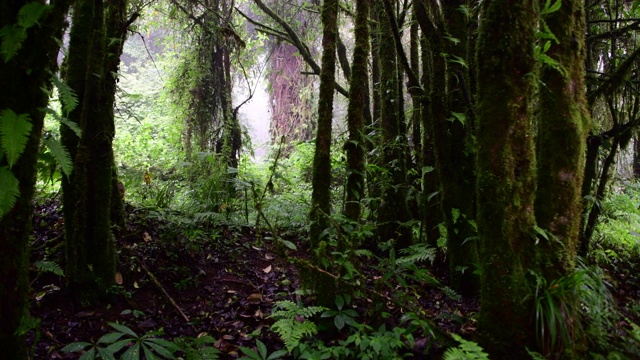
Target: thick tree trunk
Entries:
(24, 77)
(506, 175)
(90, 247)
(358, 93)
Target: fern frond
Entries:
(415, 254)
(68, 97)
(14, 134)
(11, 38)
(30, 13)
(49, 266)
(63, 120)
(60, 153)
(291, 331)
(466, 350)
(10, 190)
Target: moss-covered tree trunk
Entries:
(116, 30)
(24, 79)
(562, 130)
(90, 246)
(393, 213)
(358, 93)
(321, 181)
(506, 174)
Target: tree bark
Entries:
(358, 93)
(24, 78)
(506, 175)
(561, 147)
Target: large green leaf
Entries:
(61, 155)
(9, 190)
(14, 134)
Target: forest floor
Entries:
(221, 281)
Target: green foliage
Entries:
(10, 190)
(49, 266)
(200, 348)
(261, 353)
(617, 240)
(466, 350)
(60, 155)
(69, 101)
(147, 346)
(342, 316)
(292, 322)
(14, 134)
(12, 36)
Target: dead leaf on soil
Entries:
(254, 298)
(267, 269)
(146, 237)
(118, 278)
(269, 256)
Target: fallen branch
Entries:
(166, 294)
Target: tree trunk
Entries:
(90, 247)
(358, 93)
(561, 147)
(24, 78)
(393, 214)
(506, 175)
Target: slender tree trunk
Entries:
(24, 78)
(394, 212)
(506, 174)
(320, 198)
(358, 93)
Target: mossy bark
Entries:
(90, 247)
(24, 77)
(562, 130)
(358, 93)
(393, 213)
(506, 175)
(321, 180)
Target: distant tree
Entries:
(28, 61)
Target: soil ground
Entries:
(217, 280)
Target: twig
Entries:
(166, 294)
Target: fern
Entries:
(10, 191)
(417, 253)
(292, 322)
(12, 36)
(14, 134)
(60, 154)
(63, 120)
(49, 266)
(466, 350)
(68, 97)
(30, 13)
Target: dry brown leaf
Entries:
(267, 269)
(254, 298)
(118, 278)
(146, 237)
